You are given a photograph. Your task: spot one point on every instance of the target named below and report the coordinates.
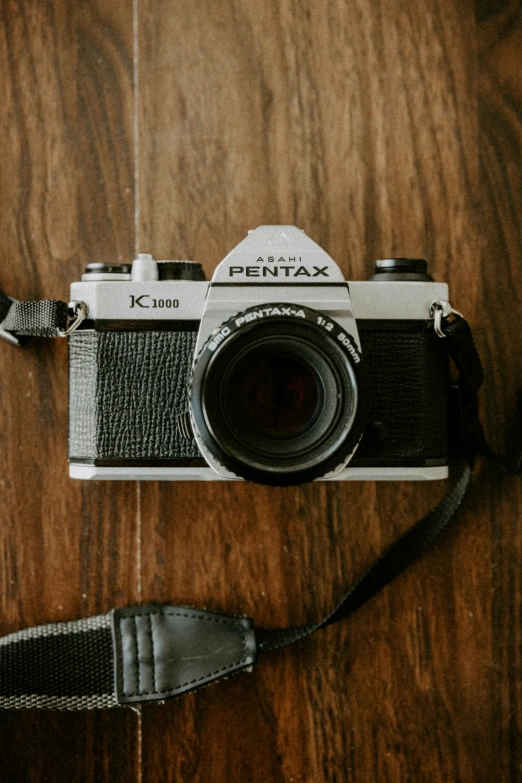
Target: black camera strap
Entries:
(151, 652)
(33, 319)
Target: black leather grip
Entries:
(126, 390)
(408, 367)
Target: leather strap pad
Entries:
(162, 650)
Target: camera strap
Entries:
(151, 652)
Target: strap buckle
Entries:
(9, 336)
(441, 310)
(76, 314)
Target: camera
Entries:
(277, 371)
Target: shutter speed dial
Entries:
(180, 270)
(145, 268)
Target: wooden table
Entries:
(382, 128)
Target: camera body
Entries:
(277, 371)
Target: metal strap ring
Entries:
(440, 311)
(77, 313)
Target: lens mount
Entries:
(278, 395)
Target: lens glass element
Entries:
(279, 402)
(275, 394)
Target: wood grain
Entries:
(382, 129)
(360, 124)
(67, 197)
(500, 144)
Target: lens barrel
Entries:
(278, 395)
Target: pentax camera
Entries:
(277, 371)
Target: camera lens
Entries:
(278, 399)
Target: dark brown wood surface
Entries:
(381, 128)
